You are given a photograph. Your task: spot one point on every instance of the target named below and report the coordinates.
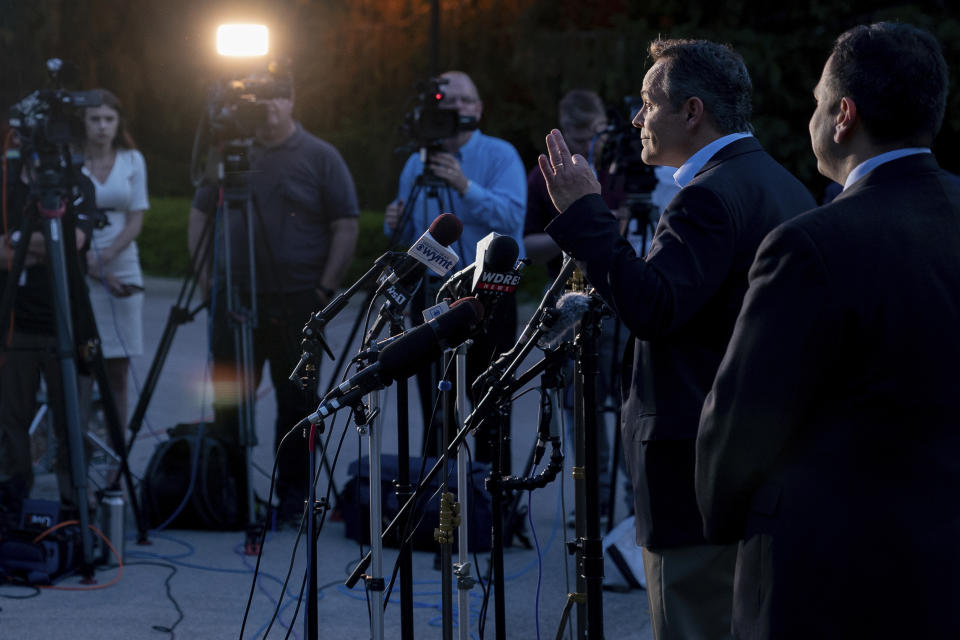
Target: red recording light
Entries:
(438, 96)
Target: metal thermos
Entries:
(112, 506)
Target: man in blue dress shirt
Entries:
(486, 188)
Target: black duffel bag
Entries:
(355, 503)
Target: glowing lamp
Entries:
(242, 40)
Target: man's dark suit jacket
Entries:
(831, 439)
(681, 304)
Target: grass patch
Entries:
(163, 246)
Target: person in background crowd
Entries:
(115, 282)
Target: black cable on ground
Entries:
(169, 590)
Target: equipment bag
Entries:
(36, 553)
(355, 503)
(212, 500)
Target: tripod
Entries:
(50, 211)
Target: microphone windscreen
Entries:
(501, 255)
(446, 229)
(570, 308)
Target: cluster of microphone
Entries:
(478, 289)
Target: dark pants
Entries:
(28, 357)
(498, 336)
(276, 339)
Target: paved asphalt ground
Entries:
(206, 577)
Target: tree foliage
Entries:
(356, 64)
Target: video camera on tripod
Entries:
(50, 196)
(621, 155)
(48, 122)
(235, 108)
(429, 123)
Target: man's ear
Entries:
(847, 119)
(692, 112)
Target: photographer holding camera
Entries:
(487, 193)
(304, 235)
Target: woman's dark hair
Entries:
(123, 139)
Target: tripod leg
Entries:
(114, 422)
(66, 355)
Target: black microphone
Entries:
(494, 275)
(405, 355)
(428, 252)
(496, 254)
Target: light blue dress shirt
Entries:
(495, 200)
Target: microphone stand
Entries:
(461, 569)
(589, 543)
(374, 582)
(448, 508)
(505, 386)
(393, 314)
(311, 620)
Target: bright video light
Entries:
(242, 40)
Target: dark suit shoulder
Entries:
(741, 171)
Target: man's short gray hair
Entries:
(713, 72)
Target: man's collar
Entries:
(694, 163)
(870, 164)
(470, 143)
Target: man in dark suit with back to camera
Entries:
(830, 441)
(680, 302)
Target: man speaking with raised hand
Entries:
(680, 302)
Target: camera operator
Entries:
(31, 346)
(583, 119)
(305, 233)
(486, 178)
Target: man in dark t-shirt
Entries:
(304, 235)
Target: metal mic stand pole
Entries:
(311, 620)
(402, 488)
(374, 582)
(444, 532)
(496, 551)
(403, 492)
(451, 507)
(461, 569)
(589, 543)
